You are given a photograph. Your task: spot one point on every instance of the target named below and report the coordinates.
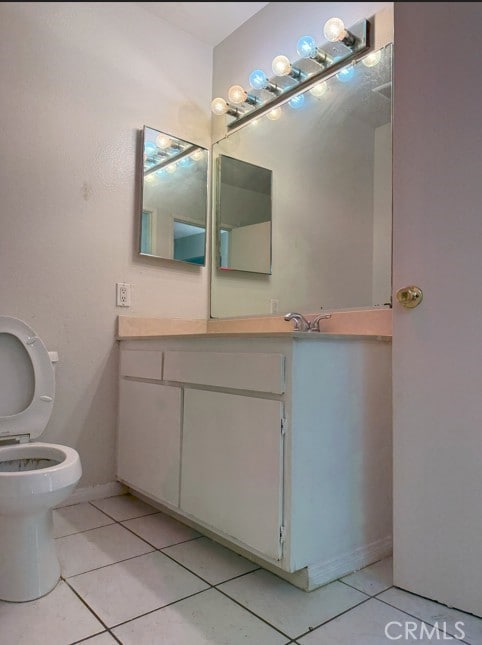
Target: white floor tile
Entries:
(97, 548)
(206, 619)
(128, 589)
(56, 619)
(102, 639)
(291, 610)
(210, 560)
(432, 612)
(366, 625)
(76, 518)
(160, 530)
(372, 579)
(123, 507)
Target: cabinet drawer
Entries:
(258, 372)
(141, 363)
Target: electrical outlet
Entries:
(274, 305)
(123, 294)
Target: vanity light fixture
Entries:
(281, 66)
(334, 31)
(238, 95)
(163, 141)
(267, 94)
(319, 89)
(306, 48)
(372, 59)
(259, 81)
(346, 74)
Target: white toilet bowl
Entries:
(34, 476)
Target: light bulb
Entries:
(334, 30)
(281, 65)
(274, 114)
(372, 59)
(254, 122)
(185, 162)
(319, 89)
(163, 141)
(258, 79)
(149, 178)
(237, 94)
(306, 47)
(346, 74)
(171, 168)
(219, 106)
(297, 101)
(150, 149)
(197, 155)
(161, 172)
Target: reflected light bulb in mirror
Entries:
(150, 149)
(149, 178)
(197, 155)
(163, 141)
(274, 114)
(372, 59)
(258, 79)
(306, 47)
(334, 30)
(346, 74)
(281, 65)
(219, 106)
(319, 89)
(237, 94)
(297, 101)
(171, 168)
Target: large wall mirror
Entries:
(174, 198)
(330, 160)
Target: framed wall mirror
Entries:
(174, 198)
(330, 158)
(243, 216)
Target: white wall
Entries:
(77, 82)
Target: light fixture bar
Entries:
(168, 160)
(362, 46)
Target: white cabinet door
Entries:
(149, 438)
(232, 466)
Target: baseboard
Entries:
(90, 493)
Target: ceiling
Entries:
(210, 22)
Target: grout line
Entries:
(152, 611)
(310, 631)
(110, 564)
(88, 607)
(153, 545)
(254, 614)
(365, 592)
(59, 537)
(422, 620)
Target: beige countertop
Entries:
(360, 323)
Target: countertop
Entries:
(367, 323)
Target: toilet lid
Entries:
(27, 380)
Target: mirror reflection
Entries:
(243, 216)
(330, 157)
(174, 198)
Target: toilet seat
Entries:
(33, 420)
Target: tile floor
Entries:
(133, 575)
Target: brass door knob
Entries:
(410, 297)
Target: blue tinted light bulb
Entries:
(150, 148)
(346, 74)
(297, 101)
(258, 79)
(306, 47)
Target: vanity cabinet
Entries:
(278, 446)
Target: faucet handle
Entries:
(300, 322)
(314, 324)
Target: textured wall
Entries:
(77, 82)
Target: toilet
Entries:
(34, 476)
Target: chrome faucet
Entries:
(315, 322)
(302, 324)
